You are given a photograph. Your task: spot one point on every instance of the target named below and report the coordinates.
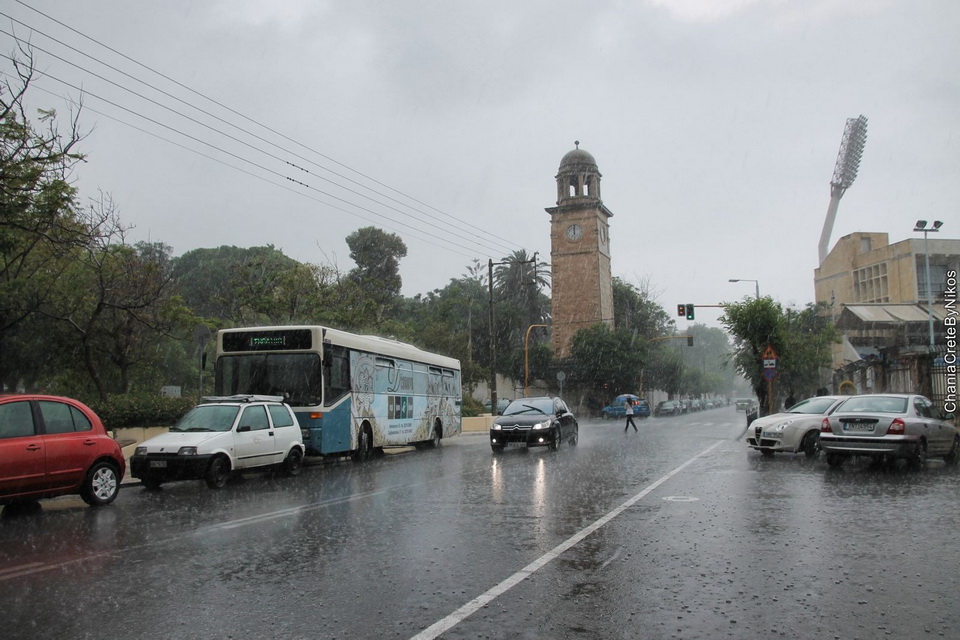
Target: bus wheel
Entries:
(434, 440)
(364, 444)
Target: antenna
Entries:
(844, 173)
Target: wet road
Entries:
(673, 532)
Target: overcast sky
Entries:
(715, 124)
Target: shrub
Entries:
(141, 410)
(470, 407)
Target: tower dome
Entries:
(577, 160)
(578, 176)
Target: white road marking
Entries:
(483, 599)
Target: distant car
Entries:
(888, 427)
(224, 435)
(618, 407)
(52, 446)
(667, 408)
(534, 422)
(696, 405)
(793, 431)
(744, 404)
(502, 404)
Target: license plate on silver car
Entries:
(857, 427)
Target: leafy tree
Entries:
(518, 289)
(115, 300)
(709, 356)
(377, 274)
(38, 226)
(801, 340)
(447, 320)
(635, 309)
(809, 335)
(236, 285)
(607, 361)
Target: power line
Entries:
(485, 232)
(259, 166)
(228, 136)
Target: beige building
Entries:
(864, 267)
(878, 295)
(582, 284)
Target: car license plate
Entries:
(857, 427)
(158, 464)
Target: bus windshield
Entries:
(294, 376)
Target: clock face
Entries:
(574, 232)
(603, 234)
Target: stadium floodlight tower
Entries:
(848, 163)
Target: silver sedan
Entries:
(887, 427)
(796, 430)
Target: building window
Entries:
(870, 284)
(932, 286)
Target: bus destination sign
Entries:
(270, 340)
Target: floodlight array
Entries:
(851, 150)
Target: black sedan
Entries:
(534, 422)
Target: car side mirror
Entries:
(242, 428)
(948, 417)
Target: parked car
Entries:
(888, 427)
(744, 404)
(792, 431)
(502, 404)
(51, 446)
(618, 407)
(223, 435)
(534, 422)
(667, 408)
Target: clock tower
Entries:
(582, 284)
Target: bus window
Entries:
(336, 374)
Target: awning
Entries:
(878, 316)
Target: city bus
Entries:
(352, 394)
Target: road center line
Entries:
(455, 618)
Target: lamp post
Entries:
(755, 282)
(921, 227)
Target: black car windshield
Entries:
(530, 405)
(208, 417)
(813, 405)
(874, 404)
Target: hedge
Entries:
(123, 411)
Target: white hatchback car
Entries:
(796, 430)
(219, 437)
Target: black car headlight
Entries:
(495, 427)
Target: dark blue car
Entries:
(617, 408)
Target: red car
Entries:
(51, 446)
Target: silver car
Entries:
(887, 427)
(796, 430)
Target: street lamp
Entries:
(755, 282)
(921, 227)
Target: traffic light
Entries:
(689, 309)
(689, 341)
(681, 310)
